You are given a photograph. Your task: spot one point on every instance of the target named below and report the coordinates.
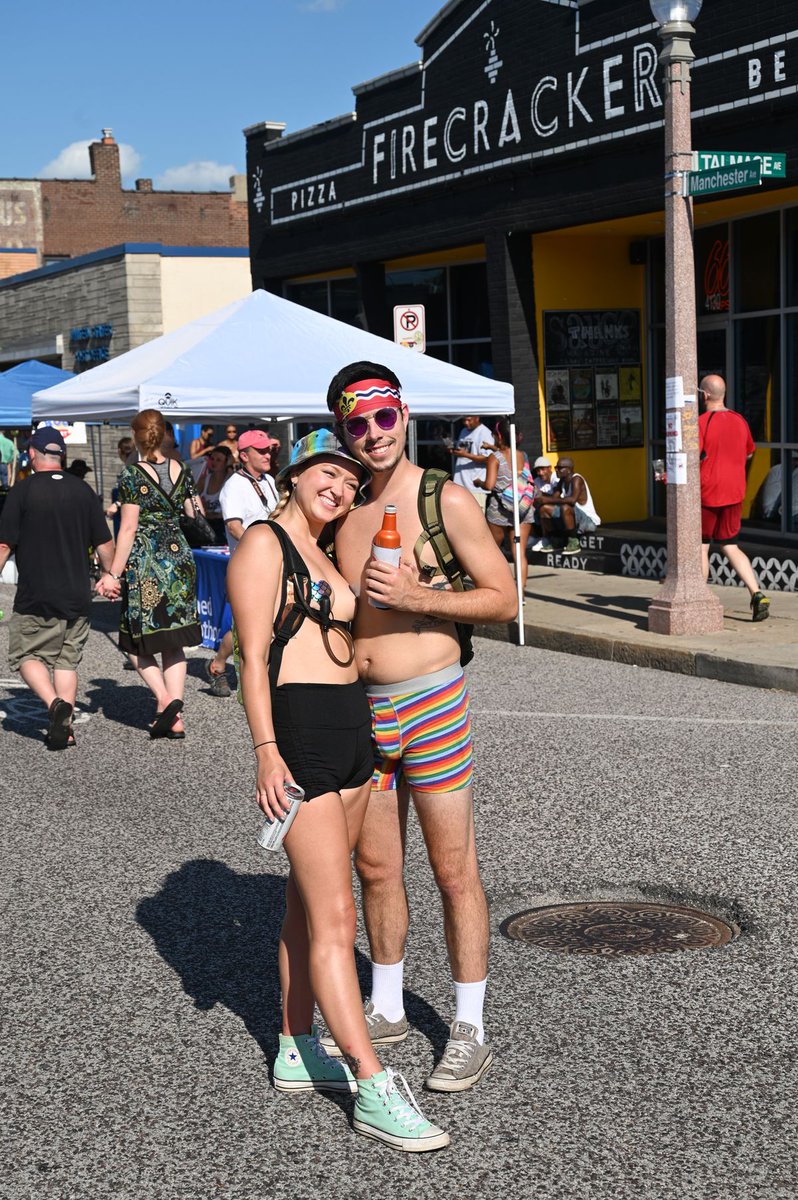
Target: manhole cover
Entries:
(610, 928)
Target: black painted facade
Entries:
(524, 116)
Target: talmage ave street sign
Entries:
(771, 165)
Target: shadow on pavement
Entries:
(606, 605)
(219, 931)
(129, 705)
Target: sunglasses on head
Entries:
(357, 427)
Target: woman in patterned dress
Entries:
(153, 570)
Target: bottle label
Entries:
(389, 554)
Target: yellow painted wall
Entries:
(582, 271)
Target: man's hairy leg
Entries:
(447, 823)
(379, 860)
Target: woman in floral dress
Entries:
(153, 570)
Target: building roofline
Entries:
(435, 21)
(379, 81)
(263, 127)
(311, 130)
(120, 251)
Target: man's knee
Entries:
(456, 875)
(376, 867)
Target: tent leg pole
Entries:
(517, 537)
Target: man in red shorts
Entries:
(726, 445)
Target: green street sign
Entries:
(774, 166)
(722, 179)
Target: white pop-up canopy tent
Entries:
(259, 357)
(263, 357)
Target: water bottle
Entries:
(271, 833)
(387, 545)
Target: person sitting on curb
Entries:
(545, 480)
(570, 508)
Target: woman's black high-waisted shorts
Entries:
(323, 732)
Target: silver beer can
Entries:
(271, 833)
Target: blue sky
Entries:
(177, 80)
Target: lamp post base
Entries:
(685, 614)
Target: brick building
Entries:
(48, 220)
(90, 269)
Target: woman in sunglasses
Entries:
(311, 725)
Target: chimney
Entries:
(104, 158)
(143, 185)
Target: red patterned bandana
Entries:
(366, 395)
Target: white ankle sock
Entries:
(469, 1002)
(386, 989)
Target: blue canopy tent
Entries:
(18, 384)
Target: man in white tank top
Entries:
(572, 507)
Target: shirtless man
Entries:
(409, 658)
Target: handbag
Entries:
(526, 493)
(196, 530)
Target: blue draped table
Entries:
(214, 611)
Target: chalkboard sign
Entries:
(593, 377)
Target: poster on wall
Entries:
(593, 378)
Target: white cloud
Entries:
(314, 6)
(73, 162)
(197, 177)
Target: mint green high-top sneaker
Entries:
(302, 1065)
(383, 1112)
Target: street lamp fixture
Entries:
(685, 604)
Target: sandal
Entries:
(58, 725)
(164, 720)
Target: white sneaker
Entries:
(542, 546)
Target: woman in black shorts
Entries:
(311, 725)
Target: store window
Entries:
(791, 343)
(711, 257)
(791, 233)
(757, 391)
(339, 298)
(309, 295)
(756, 274)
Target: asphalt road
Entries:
(138, 984)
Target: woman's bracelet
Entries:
(271, 742)
(116, 577)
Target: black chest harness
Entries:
(295, 607)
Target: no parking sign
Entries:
(409, 327)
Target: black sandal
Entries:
(59, 720)
(162, 725)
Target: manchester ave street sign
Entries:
(723, 179)
(772, 165)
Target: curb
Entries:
(659, 658)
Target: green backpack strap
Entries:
(433, 531)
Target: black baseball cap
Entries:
(48, 440)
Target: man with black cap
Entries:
(51, 520)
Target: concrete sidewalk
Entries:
(604, 616)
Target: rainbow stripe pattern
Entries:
(425, 737)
